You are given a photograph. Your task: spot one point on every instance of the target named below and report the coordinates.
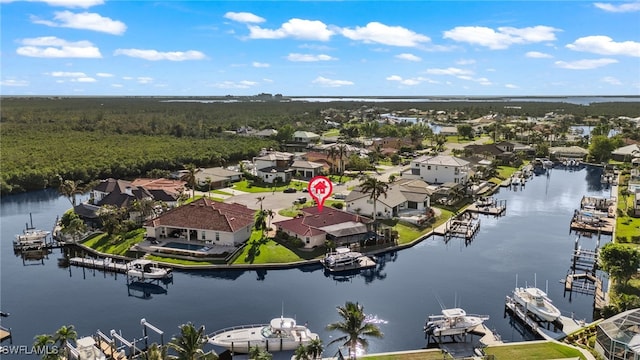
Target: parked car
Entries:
(339, 196)
(301, 200)
(289, 190)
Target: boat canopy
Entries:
(283, 323)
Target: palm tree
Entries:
(258, 353)
(315, 348)
(189, 344)
(63, 336)
(190, 177)
(301, 353)
(156, 352)
(333, 154)
(42, 343)
(70, 188)
(260, 200)
(375, 188)
(261, 221)
(354, 327)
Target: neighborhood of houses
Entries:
(219, 228)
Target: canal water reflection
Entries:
(531, 241)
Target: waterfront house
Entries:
(274, 166)
(204, 221)
(439, 169)
(626, 153)
(314, 227)
(568, 152)
(405, 197)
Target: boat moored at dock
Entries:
(281, 334)
(147, 269)
(343, 259)
(536, 302)
(452, 322)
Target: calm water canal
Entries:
(532, 239)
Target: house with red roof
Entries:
(204, 222)
(314, 227)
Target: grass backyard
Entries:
(534, 351)
(115, 244)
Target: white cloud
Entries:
(67, 74)
(611, 80)
(294, 28)
(244, 84)
(101, 74)
(53, 47)
(322, 81)
(511, 86)
(503, 37)
(465, 62)
(585, 64)
(260, 65)
(449, 71)
(309, 57)
(117, 85)
(85, 20)
(154, 55)
(144, 80)
(376, 32)
(409, 81)
(66, 3)
(537, 55)
(408, 57)
(604, 45)
(619, 8)
(13, 82)
(72, 76)
(244, 17)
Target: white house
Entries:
(306, 137)
(205, 222)
(439, 169)
(274, 165)
(403, 196)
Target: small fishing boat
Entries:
(453, 322)
(147, 269)
(281, 334)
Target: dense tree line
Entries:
(86, 138)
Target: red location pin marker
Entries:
(320, 188)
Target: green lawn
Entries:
(116, 244)
(250, 187)
(264, 251)
(535, 351)
(178, 261)
(506, 171)
(626, 226)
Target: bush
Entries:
(622, 239)
(338, 205)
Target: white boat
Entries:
(344, 259)
(147, 269)
(536, 302)
(30, 238)
(453, 322)
(281, 334)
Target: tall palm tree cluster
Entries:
(189, 344)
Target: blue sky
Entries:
(319, 48)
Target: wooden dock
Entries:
(364, 262)
(5, 334)
(561, 327)
(604, 226)
(106, 264)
